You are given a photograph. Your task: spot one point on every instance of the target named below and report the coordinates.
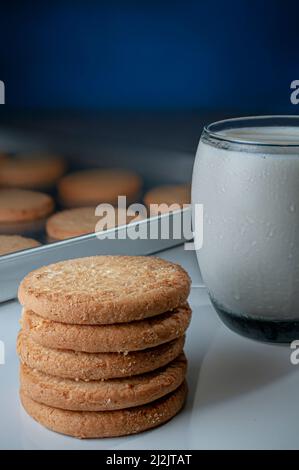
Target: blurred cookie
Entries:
(28, 229)
(18, 205)
(101, 395)
(96, 186)
(12, 243)
(120, 337)
(166, 196)
(105, 289)
(32, 171)
(91, 424)
(85, 366)
(81, 221)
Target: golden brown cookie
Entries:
(100, 395)
(97, 366)
(81, 221)
(121, 337)
(95, 186)
(32, 228)
(32, 171)
(12, 243)
(105, 289)
(166, 196)
(20, 205)
(94, 424)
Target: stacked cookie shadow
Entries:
(101, 345)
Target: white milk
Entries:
(250, 255)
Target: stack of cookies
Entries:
(101, 344)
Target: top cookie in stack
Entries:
(102, 342)
(105, 289)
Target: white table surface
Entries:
(243, 394)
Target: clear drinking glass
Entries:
(246, 175)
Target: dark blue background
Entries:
(233, 55)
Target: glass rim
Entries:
(248, 121)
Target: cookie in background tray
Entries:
(32, 171)
(23, 211)
(13, 243)
(79, 221)
(165, 196)
(95, 186)
(3, 157)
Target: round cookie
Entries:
(32, 171)
(121, 337)
(102, 395)
(81, 221)
(95, 186)
(20, 205)
(92, 424)
(166, 196)
(31, 228)
(97, 366)
(13, 243)
(105, 289)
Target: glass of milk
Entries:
(246, 175)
